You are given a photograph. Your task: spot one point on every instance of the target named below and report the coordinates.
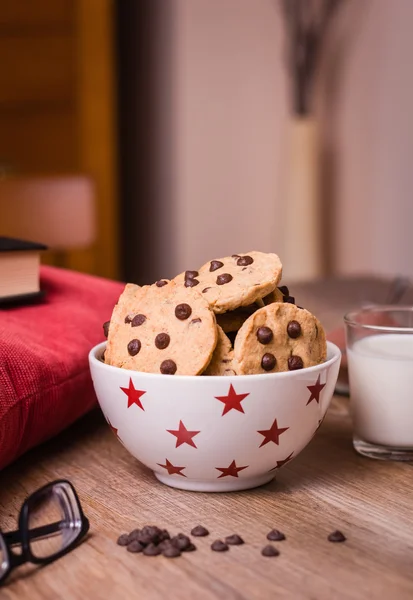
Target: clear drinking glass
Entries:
(380, 364)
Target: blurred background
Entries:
(139, 138)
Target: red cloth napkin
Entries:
(45, 383)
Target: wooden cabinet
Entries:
(57, 105)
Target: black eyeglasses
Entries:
(51, 524)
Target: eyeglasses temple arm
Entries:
(14, 537)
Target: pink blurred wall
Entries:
(226, 104)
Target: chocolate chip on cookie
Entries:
(215, 264)
(294, 329)
(191, 282)
(268, 361)
(168, 367)
(191, 274)
(183, 311)
(224, 278)
(129, 319)
(161, 283)
(244, 261)
(162, 341)
(138, 320)
(295, 363)
(133, 347)
(264, 335)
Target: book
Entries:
(19, 270)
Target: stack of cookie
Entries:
(227, 318)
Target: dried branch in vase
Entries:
(306, 23)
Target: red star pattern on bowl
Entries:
(133, 395)
(172, 469)
(272, 434)
(315, 391)
(231, 471)
(232, 400)
(183, 435)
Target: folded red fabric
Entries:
(45, 383)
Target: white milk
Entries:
(381, 389)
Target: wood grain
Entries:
(327, 487)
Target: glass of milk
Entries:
(380, 364)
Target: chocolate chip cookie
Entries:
(279, 337)
(234, 281)
(221, 361)
(168, 329)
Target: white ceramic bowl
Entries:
(214, 434)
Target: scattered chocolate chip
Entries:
(162, 341)
(133, 347)
(151, 550)
(183, 311)
(191, 282)
(171, 551)
(224, 278)
(295, 363)
(234, 540)
(106, 328)
(134, 546)
(128, 319)
(264, 335)
(190, 548)
(138, 320)
(191, 274)
(150, 534)
(161, 283)
(215, 264)
(289, 299)
(181, 541)
(270, 551)
(134, 535)
(275, 536)
(243, 261)
(268, 361)
(168, 367)
(205, 290)
(199, 531)
(284, 290)
(294, 329)
(336, 536)
(197, 320)
(123, 540)
(219, 546)
(164, 535)
(144, 538)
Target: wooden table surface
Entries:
(327, 487)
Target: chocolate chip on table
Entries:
(162, 341)
(243, 261)
(264, 335)
(161, 283)
(181, 541)
(171, 551)
(151, 550)
(138, 320)
(215, 264)
(106, 328)
(289, 299)
(190, 548)
(268, 361)
(134, 546)
(337, 536)
(275, 536)
(270, 551)
(191, 274)
(294, 329)
(295, 363)
(224, 278)
(234, 540)
(134, 535)
(164, 535)
(284, 290)
(198, 320)
(123, 540)
(183, 311)
(219, 546)
(133, 347)
(191, 282)
(168, 367)
(199, 531)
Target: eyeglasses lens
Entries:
(54, 521)
(3, 557)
